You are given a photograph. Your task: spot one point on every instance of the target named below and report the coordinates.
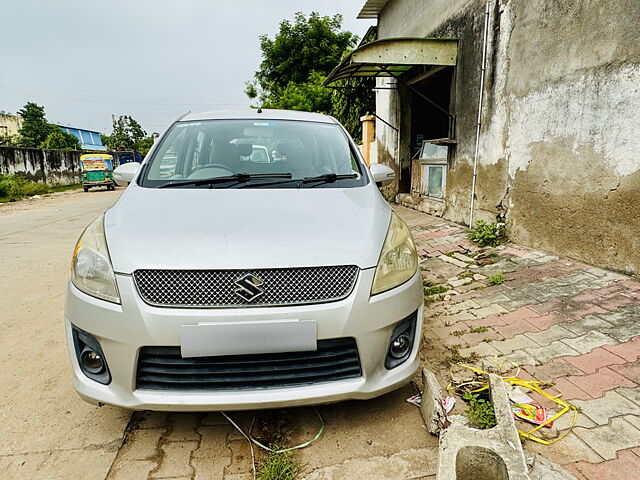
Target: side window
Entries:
(435, 179)
(432, 176)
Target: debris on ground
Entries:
(532, 414)
(446, 402)
(523, 406)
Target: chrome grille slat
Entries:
(216, 288)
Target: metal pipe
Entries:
(475, 155)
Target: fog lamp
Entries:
(92, 361)
(401, 341)
(90, 356)
(400, 346)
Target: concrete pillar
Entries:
(368, 136)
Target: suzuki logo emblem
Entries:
(249, 287)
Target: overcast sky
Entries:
(84, 60)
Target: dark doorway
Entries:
(425, 121)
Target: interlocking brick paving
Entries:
(562, 321)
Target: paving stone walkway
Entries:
(560, 320)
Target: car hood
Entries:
(151, 228)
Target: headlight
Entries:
(91, 269)
(398, 260)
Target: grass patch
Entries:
(481, 412)
(278, 466)
(273, 429)
(455, 356)
(478, 330)
(435, 290)
(435, 298)
(15, 187)
(497, 279)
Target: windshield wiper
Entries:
(320, 179)
(237, 177)
(328, 178)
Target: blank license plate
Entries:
(237, 338)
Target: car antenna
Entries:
(259, 110)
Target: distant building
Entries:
(89, 139)
(9, 124)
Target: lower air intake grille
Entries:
(162, 368)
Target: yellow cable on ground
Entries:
(535, 386)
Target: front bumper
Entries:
(101, 183)
(123, 329)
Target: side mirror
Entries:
(126, 172)
(382, 174)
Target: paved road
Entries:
(49, 433)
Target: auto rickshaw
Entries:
(97, 171)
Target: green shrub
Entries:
(497, 279)
(481, 413)
(15, 187)
(485, 234)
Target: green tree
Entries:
(309, 96)
(296, 62)
(144, 145)
(126, 135)
(35, 129)
(60, 140)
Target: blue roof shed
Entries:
(89, 140)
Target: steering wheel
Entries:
(212, 165)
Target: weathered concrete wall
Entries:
(573, 125)
(560, 141)
(49, 166)
(411, 18)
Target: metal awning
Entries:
(391, 57)
(372, 8)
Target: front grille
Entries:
(220, 288)
(162, 368)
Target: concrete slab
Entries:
(494, 454)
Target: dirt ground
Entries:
(50, 433)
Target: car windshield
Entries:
(211, 149)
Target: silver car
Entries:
(229, 284)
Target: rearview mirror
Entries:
(245, 149)
(126, 172)
(382, 174)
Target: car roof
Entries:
(252, 114)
